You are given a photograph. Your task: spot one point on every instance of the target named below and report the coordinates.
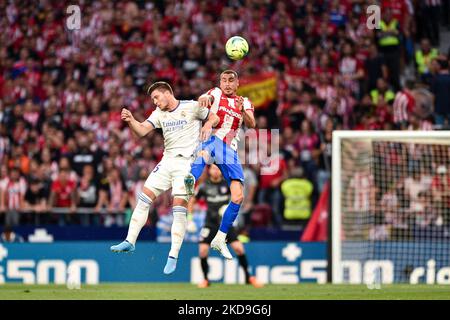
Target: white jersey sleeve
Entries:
(154, 118)
(248, 105)
(216, 93)
(201, 112)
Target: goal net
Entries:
(390, 207)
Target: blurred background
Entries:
(70, 169)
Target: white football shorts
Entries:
(169, 173)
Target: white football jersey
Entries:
(180, 127)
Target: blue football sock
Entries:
(230, 214)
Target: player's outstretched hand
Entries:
(204, 101)
(126, 115)
(240, 103)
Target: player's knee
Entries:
(239, 251)
(151, 193)
(237, 191)
(238, 248)
(203, 251)
(237, 197)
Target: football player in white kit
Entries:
(181, 124)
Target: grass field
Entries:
(183, 291)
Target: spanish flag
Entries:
(261, 89)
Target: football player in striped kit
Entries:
(221, 148)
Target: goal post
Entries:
(390, 216)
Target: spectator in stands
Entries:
(84, 155)
(425, 215)
(417, 182)
(19, 159)
(137, 186)
(404, 105)
(13, 196)
(440, 189)
(440, 87)
(272, 172)
(389, 44)
(8, 235)
(350, 69)
(64, 164)
(308, 145)
(63, 197)
(431, 10)
(5, 143)
(250, 188)
(382, 93)
(376, 68)
(114, 196)
(297, 192)
(4, 172)
(324, 159)
(424, 56)
(361, 194)
(389, 207)
(36, 200)
(87, 191)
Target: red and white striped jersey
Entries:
(15, 190)
(136, 189)
(361, 186)
(403, 104)
(230, 116)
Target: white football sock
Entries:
(178, 230)
(139, 217)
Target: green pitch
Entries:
(183, 291)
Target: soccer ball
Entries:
(236, 48)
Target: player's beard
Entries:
(230, 92)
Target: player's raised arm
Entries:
(205, 100)
(141, 129)
(247, 112)
(210, 99)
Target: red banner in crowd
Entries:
(261, 89)
(317, 227)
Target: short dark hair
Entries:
(159, 85)
(410, 84)
(443, 64)
(229, 71)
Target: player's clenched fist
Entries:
(205, 101)
(126, 115)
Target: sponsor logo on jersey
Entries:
(230, 112)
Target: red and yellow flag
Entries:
(261, 89)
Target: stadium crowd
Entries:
(64, 146)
